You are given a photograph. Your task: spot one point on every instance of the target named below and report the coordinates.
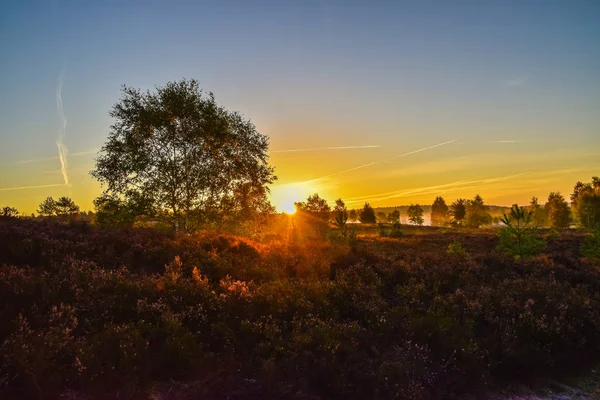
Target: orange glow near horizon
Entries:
(284, 196)
(389, 105)
(503, 174)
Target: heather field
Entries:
(134, 313)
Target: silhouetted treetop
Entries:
(585, 202)
(439, 211)
(316, 206)
(367, 214)
(415, 214)
(64, 206)
(558, 210)
(9, 212)
(183, 157)
(458, 211)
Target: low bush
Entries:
(101, 313)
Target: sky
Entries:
(387, 102)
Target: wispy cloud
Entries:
(30, 187)
(326, 148)
(377, 162)
(63, 151)
(522, 182)
(338, 173)
(491, 160)
(77, 154)
(435, 189)
(419, 150)
(508, 141)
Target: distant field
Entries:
(436, 313)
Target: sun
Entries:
(288, 207)
(284, 196)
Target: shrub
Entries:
(381, 228)
(591, 247)
(122, 310)
(519, 238)
(396, 231)
(455, 248)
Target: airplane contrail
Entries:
(376, 162)
(77, 154)
(420, 150)
(326, 148)
(435, 189)
(63, 151)
(30, 187)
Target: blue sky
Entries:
(512, 85)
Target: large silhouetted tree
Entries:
(179, 156)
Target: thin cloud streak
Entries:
(435, 189)
(63, 151)
(31, 187)
(326, 148)
(78, 154)
(377, 162)
(533, 178)
(420, 150)
(337, 173)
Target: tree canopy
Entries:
(585, 201)
(175, 154)
(540, 216)
(439, 211)
(393, 217)
(9, 212)
(316, 206)
(415, 214)
(477, 213)
(458, 211)
(64, 206)
(315, 213)
(367, 215)
(558, 210)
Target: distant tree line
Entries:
(176, 157)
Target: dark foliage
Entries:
(367, 214)
(133, 311)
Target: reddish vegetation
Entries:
(96, 312)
